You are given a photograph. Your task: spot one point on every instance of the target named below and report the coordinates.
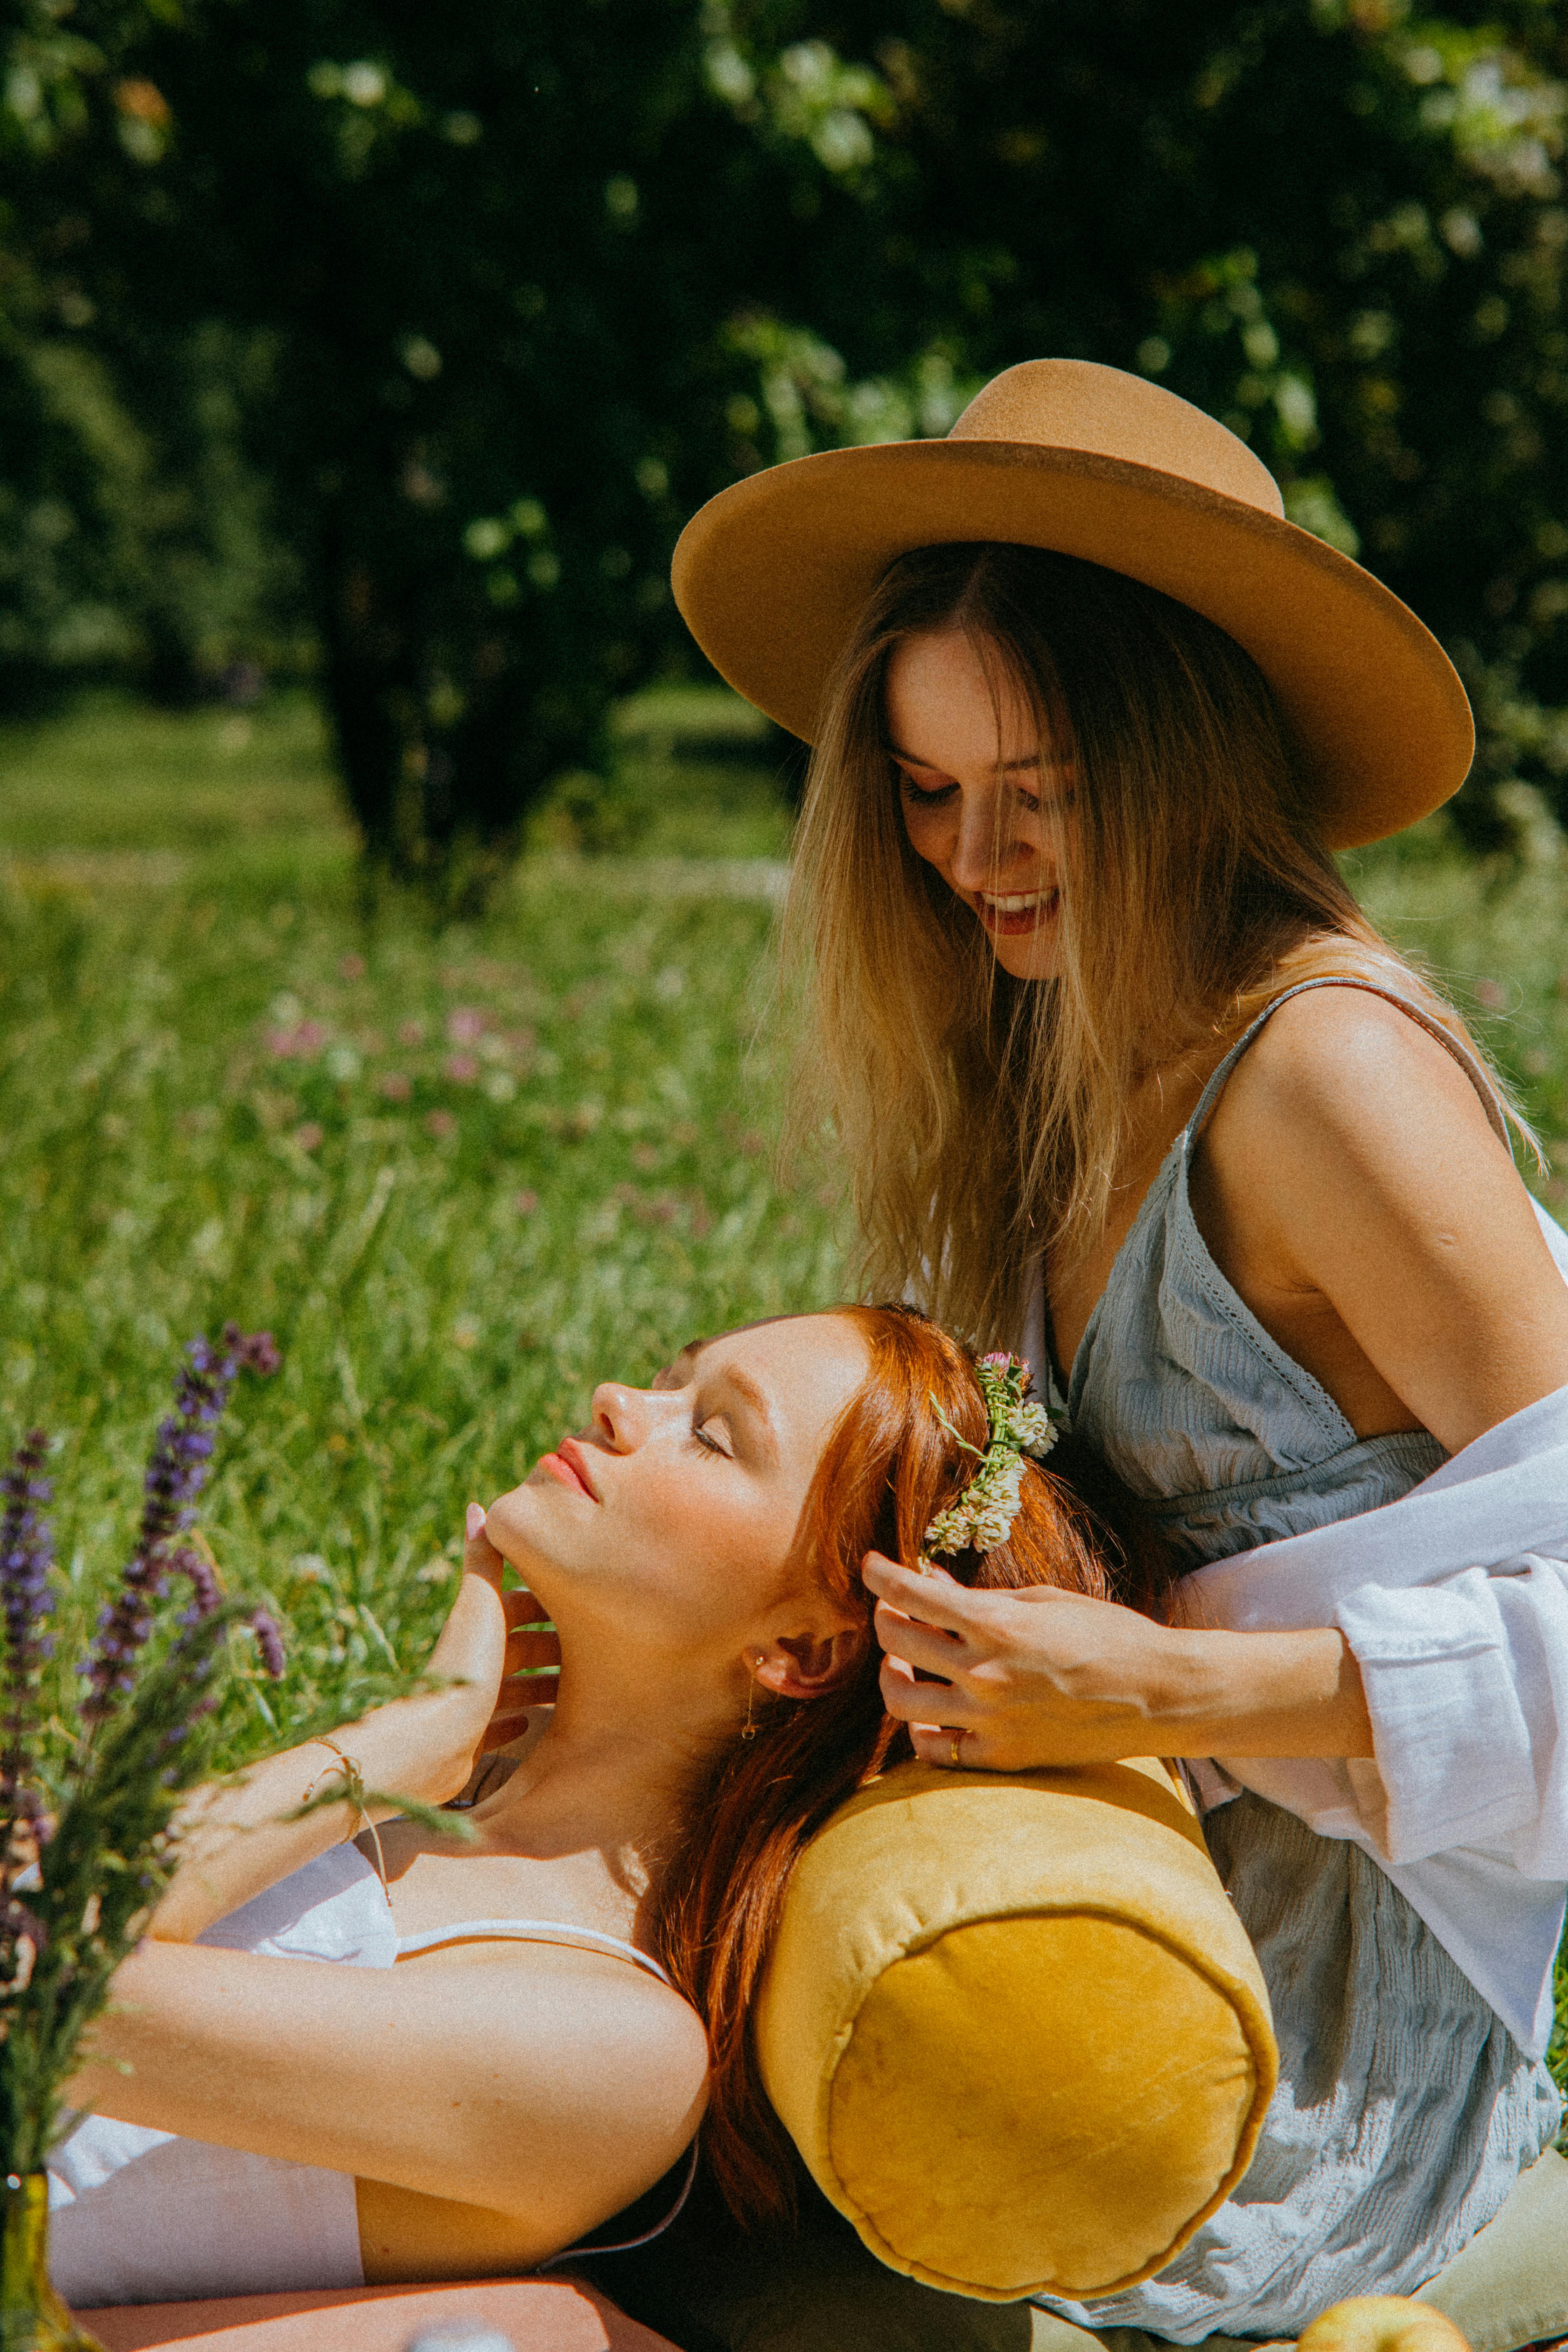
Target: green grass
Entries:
(460, 1173)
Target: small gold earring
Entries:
(749, 1729)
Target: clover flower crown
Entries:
(982, 1517)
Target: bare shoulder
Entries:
(654, 2061)
(665, 2027)
(645, 2066)
(1351, 1189)
(594, 2011)
(651, 2017)
(1339, 1071)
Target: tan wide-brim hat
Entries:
(773, 574)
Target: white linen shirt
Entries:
(1454, 1601)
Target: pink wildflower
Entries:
(305, 1038)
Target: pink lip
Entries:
(567, 1465)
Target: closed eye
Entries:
(938, 795)
(710, 1444)
(929, 796)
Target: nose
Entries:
(981, 845)
(621, 1415)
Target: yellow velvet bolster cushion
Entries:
(1014, 2026)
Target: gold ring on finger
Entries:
(953, 1757)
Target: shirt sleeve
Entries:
(1467, 1686)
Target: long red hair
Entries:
(889, 1466)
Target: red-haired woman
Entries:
(480, 2050)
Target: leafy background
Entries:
(392, 346)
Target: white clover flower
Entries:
(982, 1518)
(1030, 1426)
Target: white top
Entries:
(144, 2215)
(1455, 1603)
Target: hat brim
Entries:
(771, 575)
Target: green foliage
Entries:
(133, 531)
(424, 331)
(1340, 227)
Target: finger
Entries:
(916, 1702)
(920, 1645)
(525, 1608)
(501, 1731)
(538, 1652)
(934, 1743)
(481, 1557)
(935, 1598)
(471, 1644)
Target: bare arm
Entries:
(548, 2085)
(553, 2085)
(238, 1838)
(1351, 1187)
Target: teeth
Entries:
(1019, 904)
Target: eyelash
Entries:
(944, 793)
(918, 792)
(710, 1444)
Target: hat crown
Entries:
(1105, 413)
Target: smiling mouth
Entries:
(567, 1465)
(1012, 914)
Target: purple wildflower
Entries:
(176, 1474)
(269, 1641)
(205, 1593)
(26, 1553)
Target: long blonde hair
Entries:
(982, 1118)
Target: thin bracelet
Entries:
(353, 1794)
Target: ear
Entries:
(806, 1666)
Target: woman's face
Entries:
(984, 800)
(676, 1511)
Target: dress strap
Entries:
(1423, 1019)
(530, 1931)
(625, 2245)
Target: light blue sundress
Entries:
(1405, 2110)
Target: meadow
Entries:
(461, 1171)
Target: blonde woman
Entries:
(1115, 1060)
